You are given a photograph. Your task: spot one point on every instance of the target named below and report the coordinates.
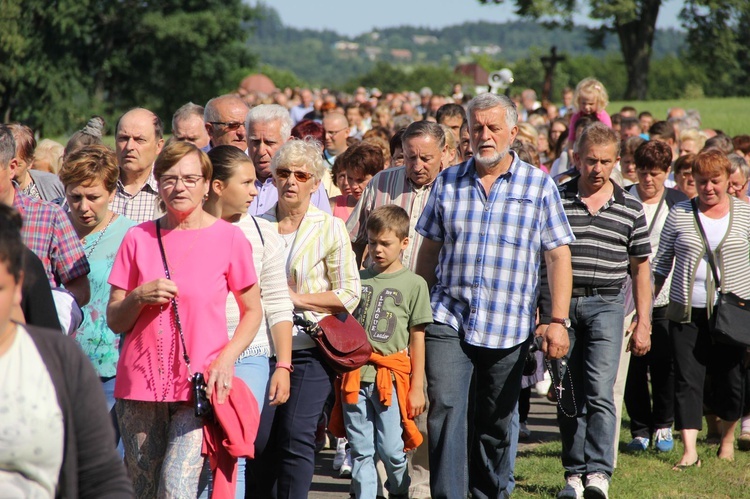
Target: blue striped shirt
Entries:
(488, 268)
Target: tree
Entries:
(719, 43)
(62, 61)
(634, 21)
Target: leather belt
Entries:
(589, 291)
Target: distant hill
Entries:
(323, 57)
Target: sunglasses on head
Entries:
(299, 175)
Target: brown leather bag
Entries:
(340, 338)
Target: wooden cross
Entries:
(549, 62)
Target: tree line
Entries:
(62, 61)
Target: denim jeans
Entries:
(109, 394)
(284, 461)
(595, 342)
(371, 428)
(491, 400)
(255, 372)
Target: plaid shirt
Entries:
(141, 207)
(47, 232)
(488, 268)
(391, 186)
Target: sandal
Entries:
(682, 467)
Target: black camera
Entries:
(201, 403)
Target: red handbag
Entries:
(341, 339)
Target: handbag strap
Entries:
(262, 241)
(174, 300)
(709, 253)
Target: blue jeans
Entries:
(595, 343)
(285, 446)
(371, 428)
(255, 372)
(491, 399)
(109, 394)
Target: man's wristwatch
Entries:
(565, 322)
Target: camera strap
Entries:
(174, 300)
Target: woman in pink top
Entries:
(207, 258)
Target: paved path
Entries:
(327, 485)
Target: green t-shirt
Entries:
(390, 305)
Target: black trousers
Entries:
(695, 355)
(651, 412)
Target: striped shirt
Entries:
(47, 232)
(488, 267)
(681, 245)
(391, 186)
(606, 240)
(141, 206)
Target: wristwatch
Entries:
(565, 322)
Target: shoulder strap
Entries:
(174, 300)
(658, 209)
(709, 253)
(262, 241)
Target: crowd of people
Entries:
(478, 242)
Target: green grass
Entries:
(539, 473)
(732, 115)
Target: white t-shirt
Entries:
(31, 423)
(715, 230)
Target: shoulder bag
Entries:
(340, 338)
(730, 323)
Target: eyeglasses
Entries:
(189, 182)
(229, 125)
(331, 133)
(736, 187)
(299, 175)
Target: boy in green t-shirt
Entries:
(394, 310)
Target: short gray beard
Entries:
(493, 160)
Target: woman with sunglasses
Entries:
(323, 279)
(171, 303)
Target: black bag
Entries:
(730, 323)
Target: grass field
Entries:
(732, 115)
(646, 475)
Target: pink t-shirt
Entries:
(205, 264)
(600, 115)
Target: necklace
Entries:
(101, 234)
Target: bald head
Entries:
(225, 121)
(336, 129)
(138, 141)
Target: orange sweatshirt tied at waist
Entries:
(396, 366)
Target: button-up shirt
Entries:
(141, 206)
(47, 232)
(488, 267)
(268, 196)
(391, 186)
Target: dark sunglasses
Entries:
(299, 175)
(229, 125)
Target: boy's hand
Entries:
(415, 402)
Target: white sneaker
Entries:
(573, 488)
(338, 459)
(597, 486)
(346, 466)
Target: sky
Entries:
(353, 17)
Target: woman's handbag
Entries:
(730, 323)
(340, 338)
(201, 403)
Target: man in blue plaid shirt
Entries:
(487, 225)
